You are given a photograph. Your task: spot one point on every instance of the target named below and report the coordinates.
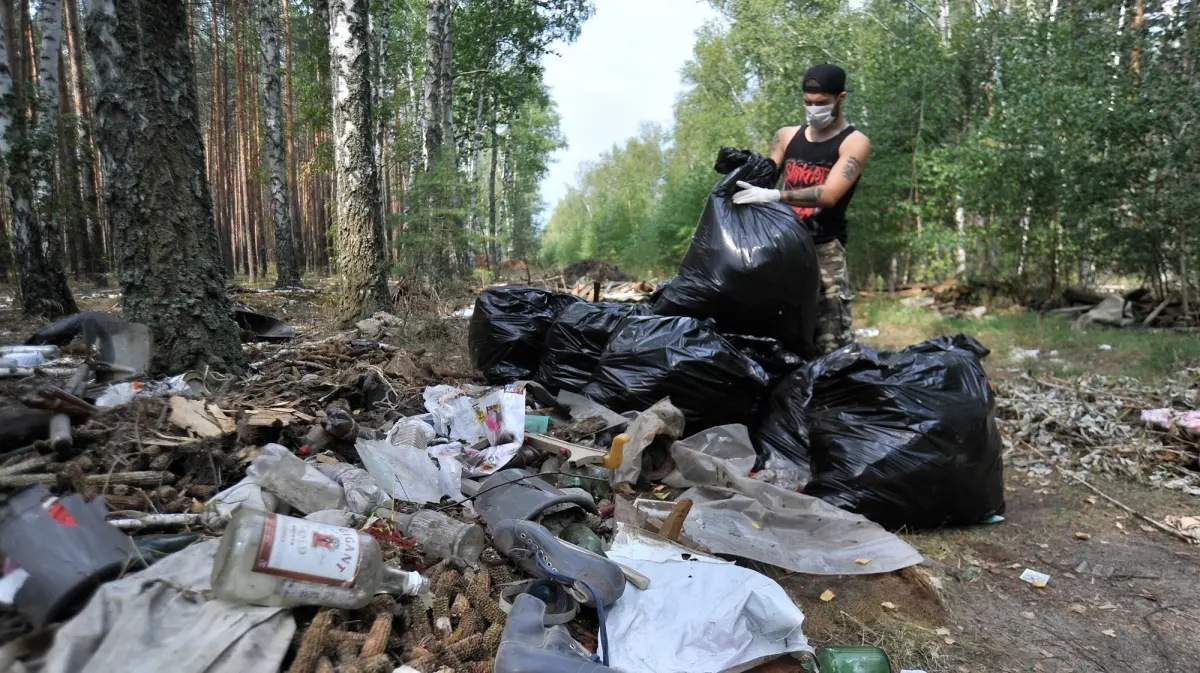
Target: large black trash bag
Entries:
(905, 439)
(752, 268)
(575, 341)
(508, 329)
(686, 359)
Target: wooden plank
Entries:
(1154, 314)
(673, 525)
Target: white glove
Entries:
(751, 194)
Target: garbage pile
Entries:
(345, 508)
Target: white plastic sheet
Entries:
(403, 472)
(699, 614)
(158, 620)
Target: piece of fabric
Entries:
(159, 620)
(834, 320)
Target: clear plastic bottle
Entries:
(295, 482)
(275, 560)
(441, 535)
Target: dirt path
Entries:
(1134, 606)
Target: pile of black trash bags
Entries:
(906, 439)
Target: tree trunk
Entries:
(50, 20)
(433, 113)
(960, 238)
(359, 231)
(89, 167)
(449, 145)
(285, 256)
(37, 291)
(293, 173)
(493, 240)
(70, 204)
(170, 272)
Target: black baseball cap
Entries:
(825, 78)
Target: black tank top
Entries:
(807, 164)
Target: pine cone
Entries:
(491, 638)
(480, 595)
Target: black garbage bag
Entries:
(508, 328)
(752, 268)
(775, 360)
(686, 359)
(905, 439)
(575, 341)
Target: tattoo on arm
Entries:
(852, 169)
(775, 142)
(803, 197)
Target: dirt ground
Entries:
(1122, 596)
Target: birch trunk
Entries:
(289, 112)
(50, 20)
(359, 231)
(433, 113)
(285, 255)
(493, 241)
(69, 202)
(170, 272)
(33, 279)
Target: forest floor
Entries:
(1123, 595)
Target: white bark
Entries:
(49, 18)
(433, 117)
(359, 239)
(285, 254)
(960, 241)
(6, 96)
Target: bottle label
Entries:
(309, 551)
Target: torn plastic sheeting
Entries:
(708, 615)
(581, 408)
(661, 419)
(450, 469)
(157, 620)
(405, 473)
(694, 456)
(246, 493)
(786, 529)
(187, 384)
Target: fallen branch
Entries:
(139, 479)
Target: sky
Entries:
(623, 71)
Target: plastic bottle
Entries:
(280, 561)
(850, 659)
(363, 494)
(295, 482)
(441, 535)
(410, 432)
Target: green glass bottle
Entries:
(849, 659)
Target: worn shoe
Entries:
(525, 542)
(527, 646)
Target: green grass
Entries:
(1151, 355)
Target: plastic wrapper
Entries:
(403, 472)
(363, 494)
(706, 377)
(905, 439)
(753, 268)
(576, 340)
(473, 415)
(295, 482)
(246, 493)
(508, 329)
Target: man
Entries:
(821, 162)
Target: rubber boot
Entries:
(525, 542)
(527, 646)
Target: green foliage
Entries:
(1045, 140)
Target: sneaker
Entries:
(525, 542)
(528, 646)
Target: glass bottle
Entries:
(440, 535)
(275, 560)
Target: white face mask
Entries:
(819, 116)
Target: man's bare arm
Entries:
(809, 197)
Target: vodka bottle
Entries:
(275, 560)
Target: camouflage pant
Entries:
(833, 311)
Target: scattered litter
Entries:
(1037, 579)
(1018, 354)
(1188, 525)
(888, 605)
(295, 482)
(862, 561)
(1028, 615)
(204, 420)
(826, 596)
(943, 631)
(866, 332)
(1105, 347)
(1110, 633)
(187, 384)
(1079, 608)
(262, 327)
(1083, 536)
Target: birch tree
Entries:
(276, 152)
(359, 238)
(156, 193)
